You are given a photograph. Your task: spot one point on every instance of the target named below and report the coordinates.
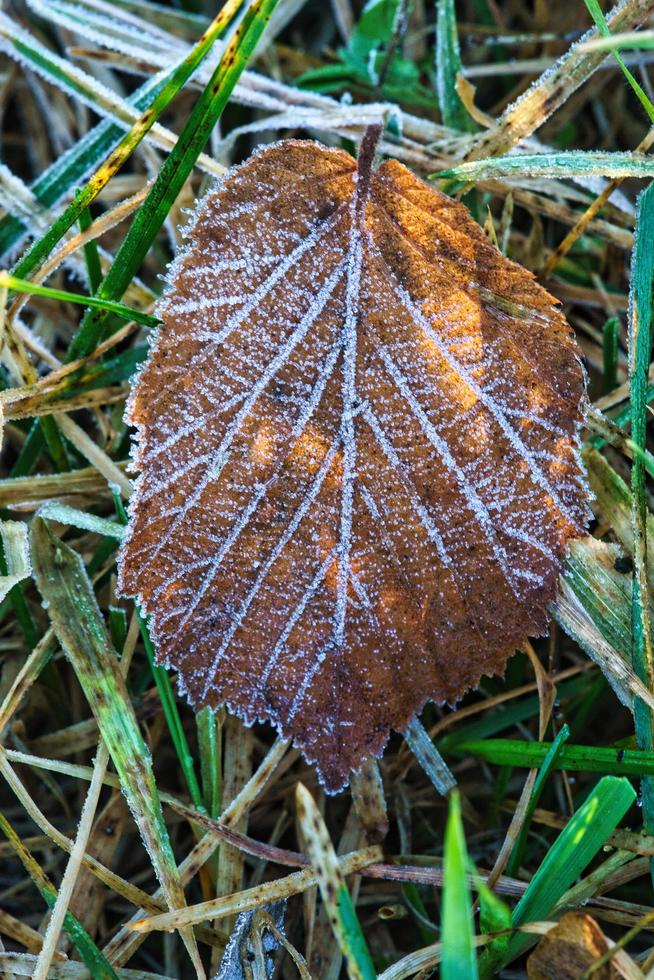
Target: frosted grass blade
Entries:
(76, 618)
(568, 164)
(448, 67)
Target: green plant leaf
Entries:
(448, 68)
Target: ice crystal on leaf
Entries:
(358, 444)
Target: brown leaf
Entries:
(358, 437)
(567, 950)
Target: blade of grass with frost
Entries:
(29, 401)
(428, 756)
(63, 514)
(109, 27)
(169, 19)
(448, 67)
(573, 850)
(555, 86)
(77, 620)
(15, 555)
(594, 608)
(16, 596)
(546, 767)
(596, 13)
(567, 164)
(176, 168)
(333, 889)
(604, 593)
(97, 964)
(614, 501)
(177, 79)
(458, 958)
(640, 347)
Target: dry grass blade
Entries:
(252, 898)
(334, 891)
(42, 966)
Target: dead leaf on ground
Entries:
(567, 950)
(358, 444)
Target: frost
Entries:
(358, 443)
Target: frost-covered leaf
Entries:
(358, 437)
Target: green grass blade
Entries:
(546, 767)
(629, 41)
(91, 253)
(32, 289)
(171, 713)
(571, 758)
(210, 761)
(575, 848)
(77, 621)
(610, 337)
(448, 67)
(513, 712)
(459, 959)
(640, 346)
(596, 13)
